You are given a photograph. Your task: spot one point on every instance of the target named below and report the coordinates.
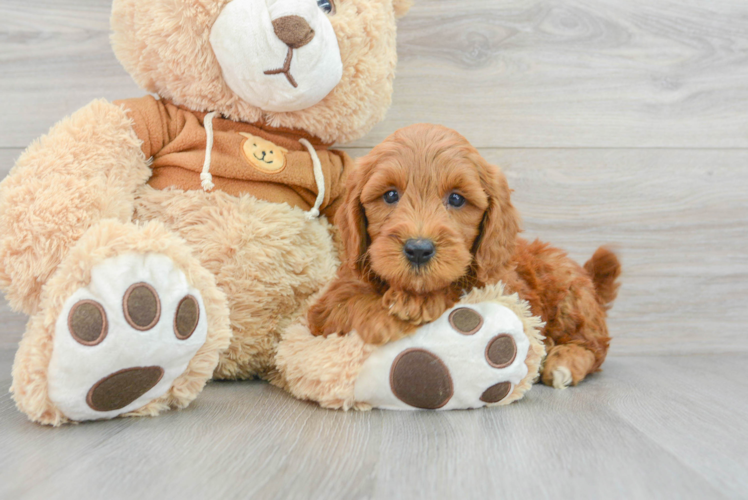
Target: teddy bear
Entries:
(161, 241)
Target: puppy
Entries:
(426, 219)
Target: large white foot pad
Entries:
(121, 341)
(472, 356)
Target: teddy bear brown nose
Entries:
(294, 31)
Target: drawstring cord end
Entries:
(207, 181)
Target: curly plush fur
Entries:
(384, 296)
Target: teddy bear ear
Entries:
(402, 7)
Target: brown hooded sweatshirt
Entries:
(268, 163)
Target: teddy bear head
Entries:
(322, 66)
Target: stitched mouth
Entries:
(286, 69)
(262, 159)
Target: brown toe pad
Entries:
(186, 318)
(87, 322)
(421, 379)
(501, 351)
(466, 321)
(119, 389)
(496, 393)
(142, 306)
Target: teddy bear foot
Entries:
(473, 356)
(485, 351)
(122, 341)
(130, 324)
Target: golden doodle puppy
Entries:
(425, 220)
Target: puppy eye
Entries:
(327, 5)
(391, 197)
(455, 200)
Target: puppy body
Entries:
(427, 219)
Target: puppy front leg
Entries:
(418, 309)
(351, 305)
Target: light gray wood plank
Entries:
(679, 220)
(578, 73)
(55, 57)
(628, 432)
(519, 73)
(699, 421)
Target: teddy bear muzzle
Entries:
(278, 56)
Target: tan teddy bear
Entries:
(158, 242)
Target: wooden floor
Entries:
(623, 123)
(646, 427)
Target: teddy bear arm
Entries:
(86, 169)
(156, 123)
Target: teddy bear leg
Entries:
(485, 351)
(129, 324)
(321, 369)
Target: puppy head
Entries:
(424, 210)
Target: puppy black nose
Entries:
(419, 251)
(294, 31)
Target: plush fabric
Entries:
(267, 258)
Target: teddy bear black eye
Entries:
(391, 197)
(455, 200)
(327, 5)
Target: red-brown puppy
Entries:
(426, 219)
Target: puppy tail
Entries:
(604, 269)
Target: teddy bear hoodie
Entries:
(276, 165)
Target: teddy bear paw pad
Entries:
(121, 341)
(474, 355)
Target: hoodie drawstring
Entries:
(205, 177)
(319, 177)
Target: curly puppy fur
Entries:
(384, 296)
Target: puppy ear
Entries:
(402, 7)
(351, 222)
(494, 246)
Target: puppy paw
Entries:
(121, 341)
(472, 356)
(561, 377)
(566, 365)
(416, 309)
